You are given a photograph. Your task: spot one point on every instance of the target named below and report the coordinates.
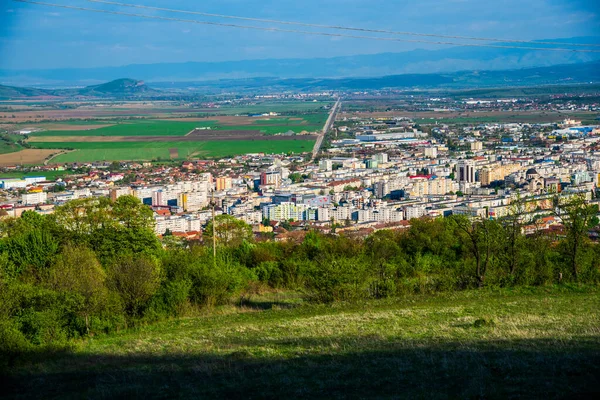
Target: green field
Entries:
(526, 343)
(115, 151)
(144, 128)
(533, 118)
(278, 107)
(8, 143)
(50, 175)
(311, 123)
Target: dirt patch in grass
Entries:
(27, 156)
(174, 153)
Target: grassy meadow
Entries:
(533, 343)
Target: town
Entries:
(372, 173)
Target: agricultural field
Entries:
(42, 112)
(50, 175)
(443, 117)
(512, 343)
(153, 150)
(27, 157)
(8, 144)
(167, 135)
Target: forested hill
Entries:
(120, 88)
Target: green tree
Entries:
(482, 238)
(77, 270)
(129, 211)
(136, 279)
(514, 241)
(229, 231)
(578, 217)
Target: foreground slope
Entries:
(541, 343)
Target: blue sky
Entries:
(34, 36)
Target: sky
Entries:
(39, 37)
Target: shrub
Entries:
(12, 342)
(77, 270)
(215, 284)
(170, 300)
(328, 280)
(136, 279)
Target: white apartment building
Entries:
(416, 211)
(340, 213)
(431, 152)
(326, 165)
(381, 215)
(29, 199)
(285, 211)
(177, 223)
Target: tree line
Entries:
(95, 266)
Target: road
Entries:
(326, 129)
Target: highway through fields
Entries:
(326, 129)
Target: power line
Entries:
(328, 34)
(342, 27)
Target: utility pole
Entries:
(212, 202)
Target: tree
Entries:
(481, 237)
(77, 270)
(513, 237)
(130, 211)
(136, 279)
(229, 230)
(115, 166)
(578, 217)
(34, 248)
(296, 177)
(382, 249)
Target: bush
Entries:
(343, 279)
(270, 273)
(77, 270)
(12, 342)
(213, 285)
(136, 279)
(171, 300)
(43, 316)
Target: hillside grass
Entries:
(542, 343)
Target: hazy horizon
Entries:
(38, 37)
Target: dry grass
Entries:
(26, 157)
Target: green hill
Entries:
(12, 92)
(119, 87)
(532, 343)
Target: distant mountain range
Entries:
(583, 73)
(120, 88)
(555, 75)
(446, 60)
